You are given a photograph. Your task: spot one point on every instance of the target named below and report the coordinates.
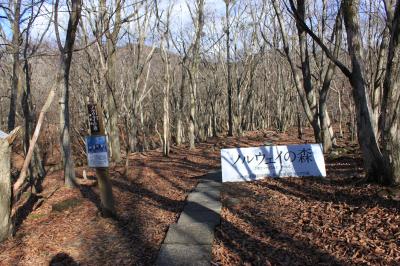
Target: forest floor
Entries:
(291, 221)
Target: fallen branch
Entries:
(22, 175)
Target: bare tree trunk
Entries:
(377, 82)
(304, 87)
(299, 127)
(166, 91)
(113, 129)
(228, 63)
(36, 167)
(132, 133)
(327, 134)
(64, 70)
(111, 45)
(142, 128)
(192, 136)
(367, 138)
(194, 71)
(16, 69)
(34, 139)
(391, 102)
(306, 71)
(5, 190)
(68, 163)
(214, 119)
(180, 104)
(340, 112)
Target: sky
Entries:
(180, 17)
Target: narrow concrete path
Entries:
(189, 241)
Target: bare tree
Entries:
(36, 167)
(16, 70)
(380, 165)
(66, 52)
(316, 112)
(194, 69)
(391, 97)
(228, 69)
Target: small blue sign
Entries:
(96, 148)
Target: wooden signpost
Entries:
(96, 149)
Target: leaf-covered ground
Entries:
(67, 228)
(341, 220)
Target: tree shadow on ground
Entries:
(284, 249)
(135, 188)
(318, 190)
(130, 225)
(28, 205)
(63, 259)
(261, 242)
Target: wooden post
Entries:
(106, 196)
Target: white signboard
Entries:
(96, 149)
(246, 164)
(3, 135)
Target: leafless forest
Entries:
(178, 73)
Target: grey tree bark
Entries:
(5, 190)
(365, 120)
(16, 69)
(65, 59)
(228, 69)
(194, 70)
(110, 82)
(391, 99)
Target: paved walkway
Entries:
(189, 241)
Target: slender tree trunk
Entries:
(306, 71)
(180, 104)
(132, 134)
(192, 121)
(340, 112)
(326, 135)
(194, 72)
(391, 104)
(66, 52)
(16, 69)
(303, 86)
(36, 167)
(166, 128)
(228, 63)
(299, 127)
(142, 128)
(112, 108)
(377, 82)
(214, 119)
(66, 151)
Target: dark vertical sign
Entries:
(94, 121)
(96, 148)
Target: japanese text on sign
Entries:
(244, 164)
(94, 121)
